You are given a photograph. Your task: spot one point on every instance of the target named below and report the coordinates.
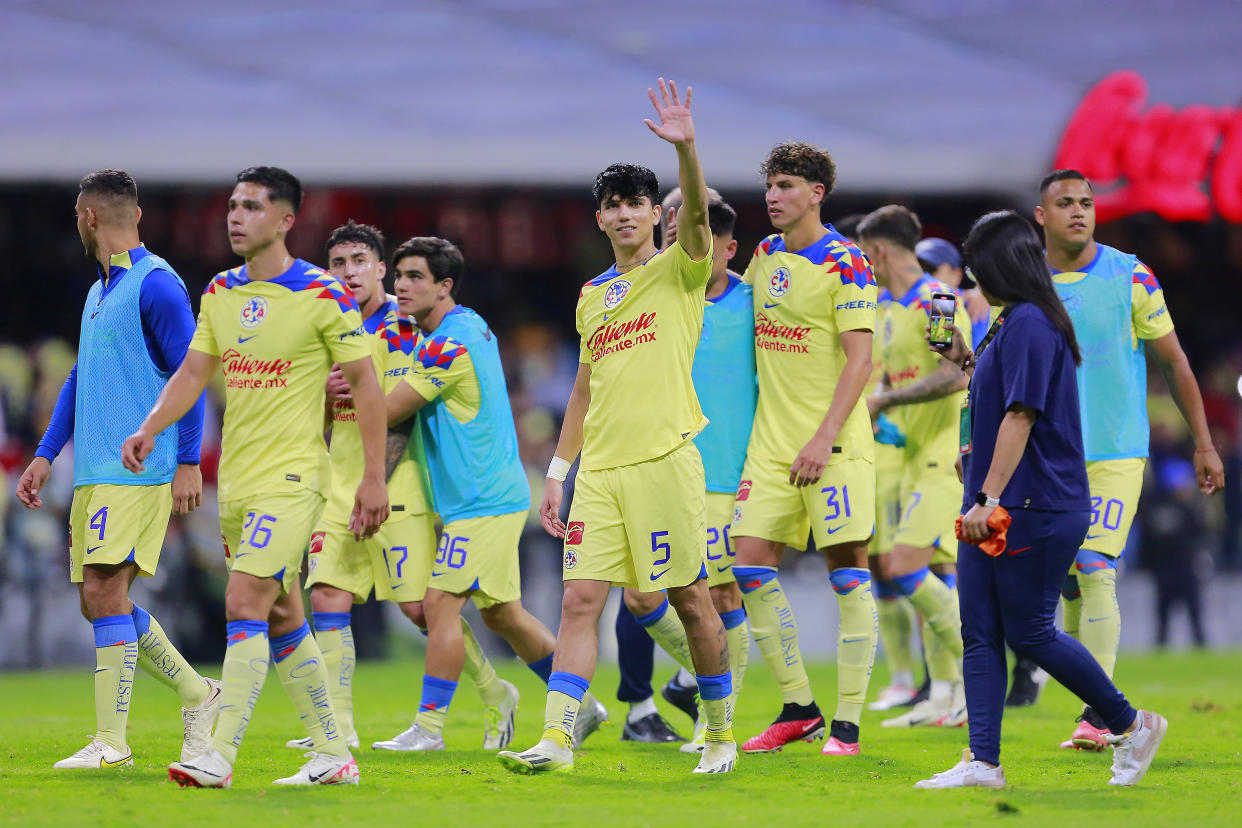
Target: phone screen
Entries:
(943, 307)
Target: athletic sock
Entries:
(299, 663)
(738, 635)
(565, 692)
(116, 656)
(942, 664)
(1071, 606)
(856, 640)
(159, 659)
(775, 631)
(542, 667)
(716, 693)
(896, 618)
(641, 710)
(479, 670)
(1099, 627)
(685, 678)
(665, 629)
(938, 605)
(336, 642)
(242, 677)
(433, 708)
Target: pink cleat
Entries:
(836, 747)
(780, 734)
(1087, 737)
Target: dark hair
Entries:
(848, 225)
(110, 183)
(352, 233)
(1007, 260)
(721, 218)
(801, 158)
(894, 223)
(280, 184)
(625, 181)
(1062, 175)
(444, 260)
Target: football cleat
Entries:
(1133, 751)
(208, 770)
(650, 728)
(498, 729)
(96, 754)
(699, 740)
(835, 747)
(546, 756)
(324, 769)
(957, 708)
(198, 722)
(685, 699)
(1028, 682)
(717, 757)
(1087, 736)
(968, 773)
(591, 717)
(411, 740)
(780, 734)
(895, 695)
(929, 713)
(307, 744)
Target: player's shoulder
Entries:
(224, 280)
(439, 350)
(1141, 274)
(603, 278)
(306, 280)
(771, 245)
(844, 259)
(399, 332)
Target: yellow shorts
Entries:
(396, 560)
(639, 526)
(112, 524)
(480, 556)
(839, 509)
(1115, 488)
(931, 501)
(267, 535)
(719, 548)
(887, 498)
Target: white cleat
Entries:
(498, 731)
(197, 722)
(545, 757)
(968, 773)
(324, 769)
(699, 741)
(718, 757)
(929, 712)
(96, 754)
(591, 716)
(892, 696)
(411, 740)
(1133, 751)
(307, 743)
(208, 770)
(957, 708)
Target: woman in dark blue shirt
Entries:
(1025, 454)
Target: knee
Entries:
(1029, 640)
(499, 619)
(691, 603)
(642, 603)
(726, 598)
(413, 610)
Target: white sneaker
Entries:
(1133, 751)
(498, 730)
(892, 696)
(591, 716)
(718, 757)
(699, 740)
(925, 713)
(208, 770)
(197, 722)
(968, 773)
(307, 743)
(96, 754)
(957, 708)
(413, 739)
(324, 769)
(545, 756)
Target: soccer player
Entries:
(809, 465)
(638, 514)
(924, 396)
(135, 330)
(457, 388)
(276, 325)
(396, 561)
(1118, 310)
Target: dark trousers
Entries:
(1012, 599)
(635, 657)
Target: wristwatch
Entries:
(983, 500)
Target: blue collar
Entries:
(912, 294)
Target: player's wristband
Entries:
(558, 469)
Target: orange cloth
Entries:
(994, 543)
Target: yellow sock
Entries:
(1071, 606)
(159, 659)
(738, 637)
(942, 665)
(335, 637)
(243, 674)
(479, 669)
(856, 640)
(896, 624)
(116, 656)
(665, 629)
(937, 603)
(299, 663)
(1100, 625)
(558, 718)
(775, 631)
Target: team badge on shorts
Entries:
(573, 532)
(616, 292)
(743, 490)
(778, 285)
(571, 559)
(737, 514)
(253, 312)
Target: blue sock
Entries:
(654, 616)
(282, 645)
(112, 630)
(750, 578)
(911, 581)
(733, 618)
(949, 579)
(437, 693)
(542, 667)
(571, 685)
(330, 620)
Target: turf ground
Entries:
(1194, 781)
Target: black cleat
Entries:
(685, 699)
(650, 728)
(1028, 681)
(920, 696)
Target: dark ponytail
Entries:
(1007, 260)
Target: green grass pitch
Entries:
(1194, 781)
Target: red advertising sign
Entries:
(1185, 165)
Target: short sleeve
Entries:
(440, 365)
(752, 267)
(1027, 362)
(342, 331)
(693, 274)
(1149, 315)
(204, 339)
(855, 300)
(584, 353)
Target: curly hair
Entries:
(624, 181)
(803, 159)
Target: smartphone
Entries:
(940, 319)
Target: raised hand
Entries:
(676, 126)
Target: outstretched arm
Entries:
(677, 127)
